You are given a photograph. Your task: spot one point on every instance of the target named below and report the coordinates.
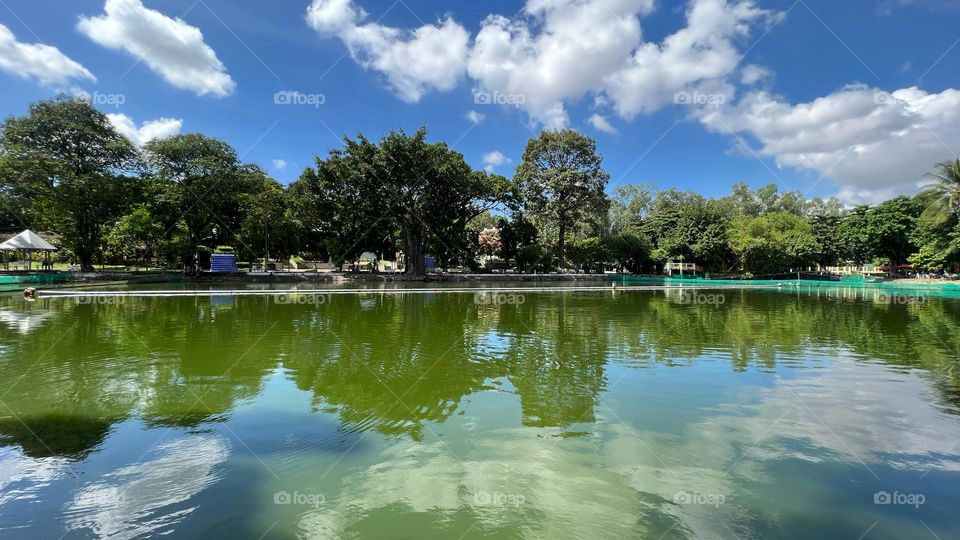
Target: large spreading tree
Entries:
(202, 183)
(67, 160)
(890, 226)
(773, 242)
(562, 180)
(334, 207)
(431, 191)
(425, 191)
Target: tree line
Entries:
(65, 169)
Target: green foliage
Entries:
(624, 250)
(335, 209)
(687, 225)
(562, 181)
(817, 207)
(268, 228)
(201, 181)
(889, 226)
(939, 245)
(773, 242)
(133, 236)
(515, 235)
(942, 196)
(630, 251)
(588, 250)
(534, 258)
(360, 196)
(826, 231)
(64, 168)
(852, 236)
(67, 158)
(753, 203)
(629, 206)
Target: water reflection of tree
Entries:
(555, 357)
(390, 363)
(394, 364)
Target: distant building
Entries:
(682, 268)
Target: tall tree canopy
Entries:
(203, 183)
(562, 181)
(629, 206)
(424, 190)
(773, 242)
(689, 226)
(890, 226)
(66, 158)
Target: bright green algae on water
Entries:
(616, 414)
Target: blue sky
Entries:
(856, 99)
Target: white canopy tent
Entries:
(28, 242)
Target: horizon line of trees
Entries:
(65, 169)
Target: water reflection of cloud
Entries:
(851, 411)
(855, 414)
(16, 468)
(624, 481)
(136, 500)
(23, 322)
(552, 490)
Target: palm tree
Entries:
(943, 195)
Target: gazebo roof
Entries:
(28, 241)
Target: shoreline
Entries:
(74, 280)
(308, 277)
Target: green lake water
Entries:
(612, 414)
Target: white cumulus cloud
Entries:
(554, 52)
(170, 47)
(752, 74)
(602, 124)
(696, 58)
(492, 160)
(279, 164)
(869, 143)
(475, 117)
(42, 62)
(414, 62)
(147, 131)
(558, 51)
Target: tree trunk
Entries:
(87, 247)
(416, 261)
(86, 261)
(190, 259)
(560, 244)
